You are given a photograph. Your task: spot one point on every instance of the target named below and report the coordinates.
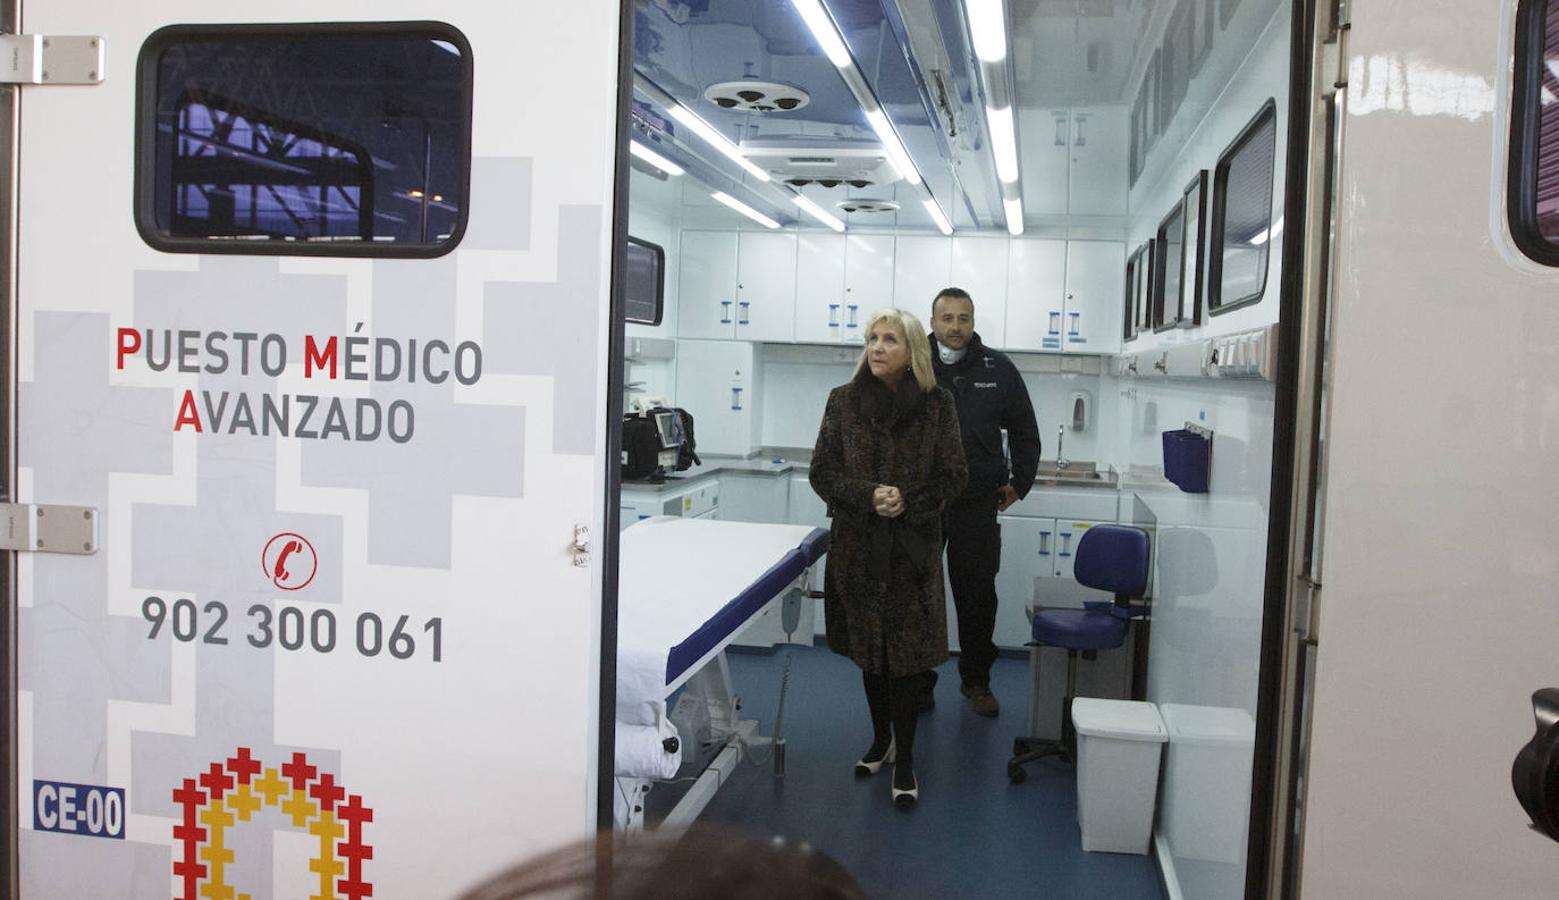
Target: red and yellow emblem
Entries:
(230, 793)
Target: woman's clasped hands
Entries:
(887, 501)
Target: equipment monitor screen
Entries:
(666, 424)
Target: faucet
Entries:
(1061, 461)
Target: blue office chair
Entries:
(1111, 558)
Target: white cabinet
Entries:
(840, 281)
(1064, 295)
(1095, 280)
(1036, 288)
(765, 286)
(1074, 161)
(868, 280)
(754, 497)
(706, 305)
(820, 305)
(921, 267)
(979, 266)
(1099, 145)
(715, 384)
(1045, 141)
(737, 285)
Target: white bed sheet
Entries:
(675, 575)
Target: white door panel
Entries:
(868, 280)
(401, 676)
(1095, 278)
(766, 287)
(706, 306)
(920, 269)
(979, 266)
(820, 298)
(1036, 282)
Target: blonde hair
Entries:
(914, 338)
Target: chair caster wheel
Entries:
(1016, 773)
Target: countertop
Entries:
(787, 460)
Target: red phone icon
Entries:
(280, 571)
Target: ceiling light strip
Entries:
(1013, 207)
(744, 209)
(1004, 143)
(824, 32)
(654, 159)
(818, 213)
(715, 139)
(988, 28)
(938, 216)
(891, 144)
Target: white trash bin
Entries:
(1207, 781)
(1118, 747)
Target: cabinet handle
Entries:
(725, 312)
(736, 398)
(1044, 543)
(744, 317)
(833, 315)
(1055, 321)
(1061, 130)
(852, 323)
(1066, 545)
(1076, 322)
(1080, 139)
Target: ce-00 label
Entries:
(78, 809)
(291, 628)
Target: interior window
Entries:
(1534, 158)
(1242, 226)
(343, 140)
(1166, 290)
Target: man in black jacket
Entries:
(990, 396)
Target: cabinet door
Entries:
(1095, 278)
(1045, 143)
(714, 384)
(1027, 569)
(868, 280)
(1098, 148)
(979, 266)
(1036, 283)
(820, 312)
(754, 498)
(706, 304)
(920, 269)
(766, 287)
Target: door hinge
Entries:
(40, 528)
(51, 59)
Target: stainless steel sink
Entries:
(1075, 472)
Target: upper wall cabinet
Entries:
(922, 265)
(980, 267)
(1036, 288)
(737, 285)
(1095, 280)
(840, 281)
(1064, 295)
(1074, 161)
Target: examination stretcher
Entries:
(687, 589)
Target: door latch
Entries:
(51, 59)
(580, 548)
(39, 528)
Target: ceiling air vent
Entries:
(757, 96)
(829, 162)
(867, 205)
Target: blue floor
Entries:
(973, 835)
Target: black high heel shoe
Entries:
(867, 767)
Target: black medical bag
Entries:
(643, 443)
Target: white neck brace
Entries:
(949, 355)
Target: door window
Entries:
(336, 140)
(1533, 194)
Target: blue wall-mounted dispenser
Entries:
(1187, 457)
